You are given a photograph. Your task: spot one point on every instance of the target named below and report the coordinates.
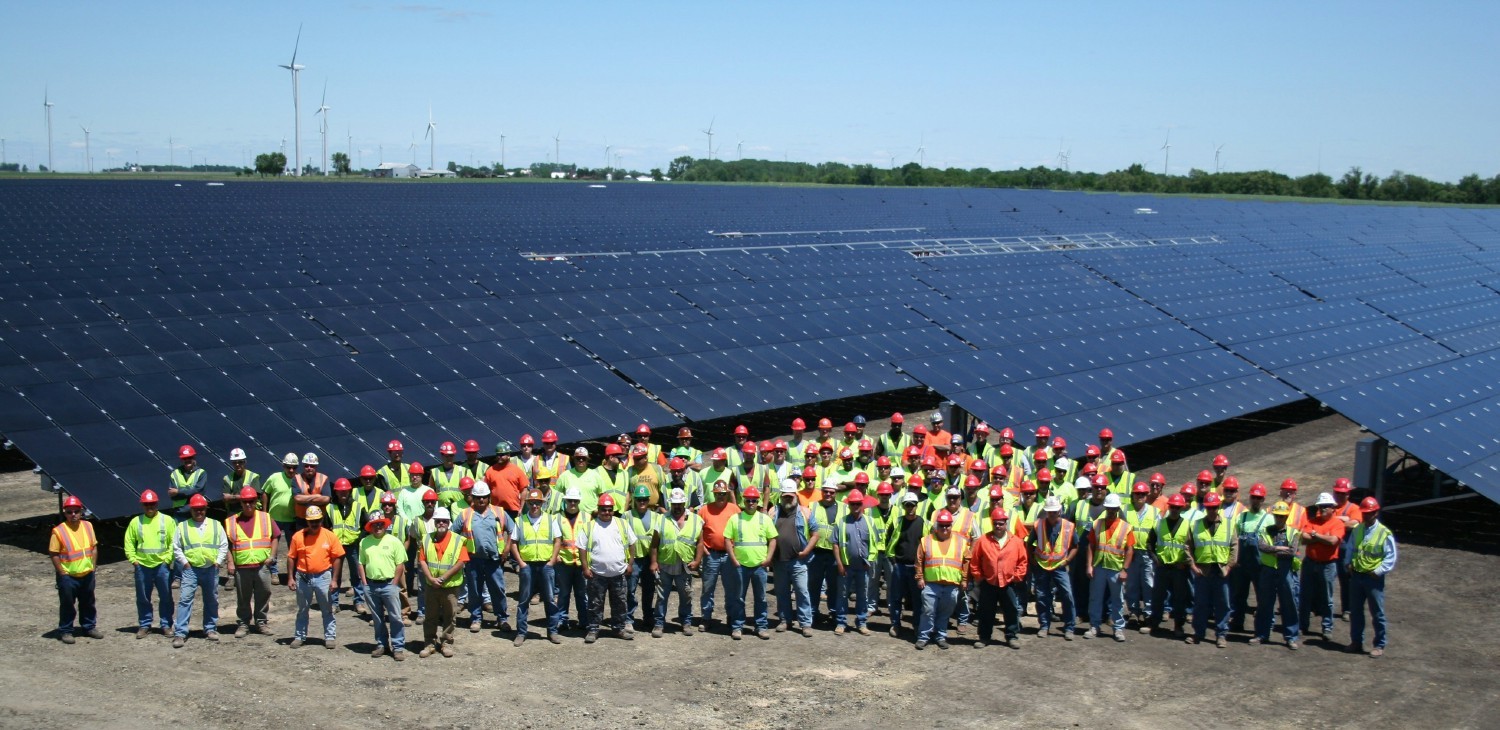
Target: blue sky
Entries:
(1282, 85)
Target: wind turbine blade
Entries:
(296, 45)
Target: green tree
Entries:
(341, 163)
(656, 174)
(270, 163)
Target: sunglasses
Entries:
(72, 511)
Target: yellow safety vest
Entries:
(1050, 554)
(679, 545)
(77, 557)
(151, 547)
(345, 523)
(1171, 545)
(253, 548)
(1212, 547)
(536, 540)
(440, 563)
(200, 545)
(944, 560)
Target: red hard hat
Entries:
(643, 430)
(862, 478)
(1342, 485)
(198, 501)
(779, 445)
(978, 464)
(998, 514)
(471, 446)
(750, 493)
(149, 497)
(866, 445)
(824, 424)
(1006, 450)
(718, 455)
(749, 447)
(388, 498)
(1231, 483)
(1044, 474)
(677, 463)
(809, 472)
(394, 445)
(1158, 478)
(1043, 432)
(684, 433)
(1176, 500)
(996, 492)
(607, 501)
(1039, 456)
(549, 437)
(72, 501)
(898, 418)
(1090, 450)
(1258, 490)
(1141, 488)
(799, 424)
(1369, 504)
(1059, 444)
(1212, 500)
(1091, 468)
(930, 461)
(1028, 487)
(1221, 460)
(429, 496)
(944, 517)
(982, 427)
(767, 445)
(416, 468)
(883, 461)
(367, 471)
(613, 450)
(1118, 457)
(912, 452)
(956, 460)
(884, 488)
(465, 484)
(1100, 480)
(1289, 485)
(741, 430)
(971, 482)
(248, 493)
(1205, 476)
(846, 454)
(850, 428)
(447, 448)
(527, 440)
(1106, 434)
(339, 485)
(999, 469)
(811, 450)
(1007, 433)
(1190, 490)
(186, 451)
(921, 428)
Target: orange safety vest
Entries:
(1113, 541)
(73, 555)
(304, 488)
(1049, 556)
(252, 548)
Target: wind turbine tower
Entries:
(431, 136)
(710, 133)
(88, 156)
(1166, 148)
(502, 151)
(47, 107)
(323, 128)
(296, 103)
(1217, 166)
(557, 148)
(922, 151)
(739, 150)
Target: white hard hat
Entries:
(1111, 501)
(572, 493)
(480, 490)
(789, 486)
(910, 498)
(1325, 500)
(441, 513)
(677, 496)
(955, 492)
(897, 471)
(310, 459)
(1053, 504)
(289, 460)
(937, 416)
(236, 454)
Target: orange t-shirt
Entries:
(441, 546)
(316, 556)
(715, 518)
(1329, 526)
(506, 485)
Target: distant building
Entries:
(395, 169)
(559, 175)
(436, 173)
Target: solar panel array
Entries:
(279, 317)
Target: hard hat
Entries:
(862, 478)
(809, 472)
(639, 451)
(846, 454)
(936, 417)
(471, 447)
(829, 485)
(788, 486)
(721, 486)
(339, 485)
(766, 446)
(1341, 485)
(741, 430)
(480, 489)
(897, 418)
(718, 455)
(545, 472)
(860, 420)
(186, 451)
(1100, 481)
(944, 517)
(416, 468)
(996, 492)
(502, 447)
(149, 497)
(388, 498)
(851, 428)
(884, 488)
(641, 492)
(582, 452)
(236, 454)
(1231, 483)
(1111, 501)
(883, 461)
(447, 448)
(866, 445)
(1044, 474)
(824, 424)
(613, 450)
(309, 459)
(643, 430)
(909, 498)
(920, 429)
(999, 470)
(955, 460)
(534, 495)
(1325, 500)
(527, 440)
(1043, 432)
(1281, 508)
(394, 445)
(314, 513)
(289, 460)
(1140, 488)
(1091, 468)
(1106, 434)
(1205, 476)
(998, 514)
(912, 452)
(954, 492)
(465, 484)
(1053, 504)
(684, 433)
(855, 497)
(898, 472)
(376, 521)
(572, 495)
(1090, 450)
(1117, 457)
(1039, 456)
(811, 450)
(799, 424)
(1176, 500)
(1190, 490)
(1258, 490)
(549, 437)
(978, 464)
(198, 501)
(1221, 460)
(1006, 450)
(750, 493)
(1212, 500)
(677, 496)
(930, 462)
(971, 482)
(1007, 433)
(1158, 478)
(677, 464)
(749, 447)
(1028, 487)
(441, 513)
(1289, 485)
(1369, 504)
(981, 427)
(1059, 444)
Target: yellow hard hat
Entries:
(545, 472)
(1281, 508)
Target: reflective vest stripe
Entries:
(536, 540)
(440, 564)
(162, 545)
(942, 563)
(1369, 548)
(71, 552)
(1050, 554)
(1212, 546)
(679, 544)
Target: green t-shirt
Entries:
(380, 557)
(752, 534)
(279, 491)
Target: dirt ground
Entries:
(1439, 671)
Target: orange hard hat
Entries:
(824, 424)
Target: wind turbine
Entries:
(323, 128)
(710, 133)
(922, 151)
(1166, 148)
(171, 153)
(607, 148)
(431, 136)
(557, 148)
(1217, 167)
(296, 103)
(739, 150)
(47, 107)
(502, 152)
(87, 155)
(414, 152)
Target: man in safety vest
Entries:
(998, 565)
(276, 500)
(645, 522)
(605, 545)
(252, 537)
(1086, 512)
(855, 541)
(1106, 443)
(1168, 543)
(822, 569)
(1248, 523)
(944, 561)
(382, 562)
(490, 538)
(186, 480)
(734, 453)
(883, 512)
(1111, 546)
(1374, 557)
(611, 477)
(1140, 579)
(445, 477)
(148, 547)
(903, 540)
(1212, 552)
(1120, 479)
(75, 552)
(442, 559)
(1056, 546)
(310, 487)
(394, 473)
(794, 546)
(674, 555)
(750, 540)
(692, 457)
(539, 543)
(473, 467)
(893, 442)
(345, 515)
(568, 570)
(237, 479)
(199, 547)
(550, 456)
(409, 496)
(579, 477)
(1221, 471)
(1279, 546)
(314, 571)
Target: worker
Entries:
(1067, 494)
(368, 491)
(904, 538)
(489, 538)
(998, 565)
(781, 466)
(552, 498)
(394, 473)
(653, 451)
(1107, 444)
(979, 445)
(345, 515)
(735, 452)
(1140, 580)
(409, 496)
(680, 475)
(1289, 495)
(611, 477)
(314, 570)
(1374, 557)
(718, 469)
(674, 553)
(186, 480)
(1110, 549)
(750, 539)
(884, 514)
(643, 472)
(1280, 548)
(1085, 513)
(276, 500)
(75, 551)
(444, 477)
(252, 537)
(1168, 542)
(944, 559)
(474, 468)
(199, 547)
(1065, 468)
(684, 450)
(851, 438)
(567, 573)
(894, 441)
(527, 459)
(808, 492)
(822, 570)
(1212, 552)
(1229, 492)
(1158, 500)
(539, 547)
(551, 457)
(1194, 511)
(794, 546)
(854, 551)
(1346, 511)
(442, 559)
(148, 547)
(1324, 535)
(237, 479)
(1248, 524)
(604, 545)
(1120, 479)
(937, 437)
(382, 562)
(645, 522)
(1220, 471)
(578, 476)
(712, 552)
(309, 488)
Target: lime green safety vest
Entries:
(679, 545)
(644, 528)
(1171, 545)
(825, 528)
(1212, 547)
(536, 540)
(1369, 548)
(1270, 560)
(200, 545)
(874, 533)
(345, 522)
(152, 547)
(394, 479)
(446, 483)
(1142, 523)
(439, 564)
(183, 483)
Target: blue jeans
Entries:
(1317, 593)
(1276, 584)
(1244, 579)
(75, 600)
(881, 571)
(206, 578)
(791, 585)
(490, 573)
(823, 580)
(1059, 584)
(1212, 594)
(736, 581)
(310, 587)
(1107, 592)
(537, 579)
(859, 580)
(682, 585)
(714, 563)
(1366, 588)
(1140, 583)
(570, 583)
(385, 602)
(147, 581)
(938, 602)
(904, 593)
(645, 580)
(351, 576)
(1175, 580)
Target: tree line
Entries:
(1355, 184)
